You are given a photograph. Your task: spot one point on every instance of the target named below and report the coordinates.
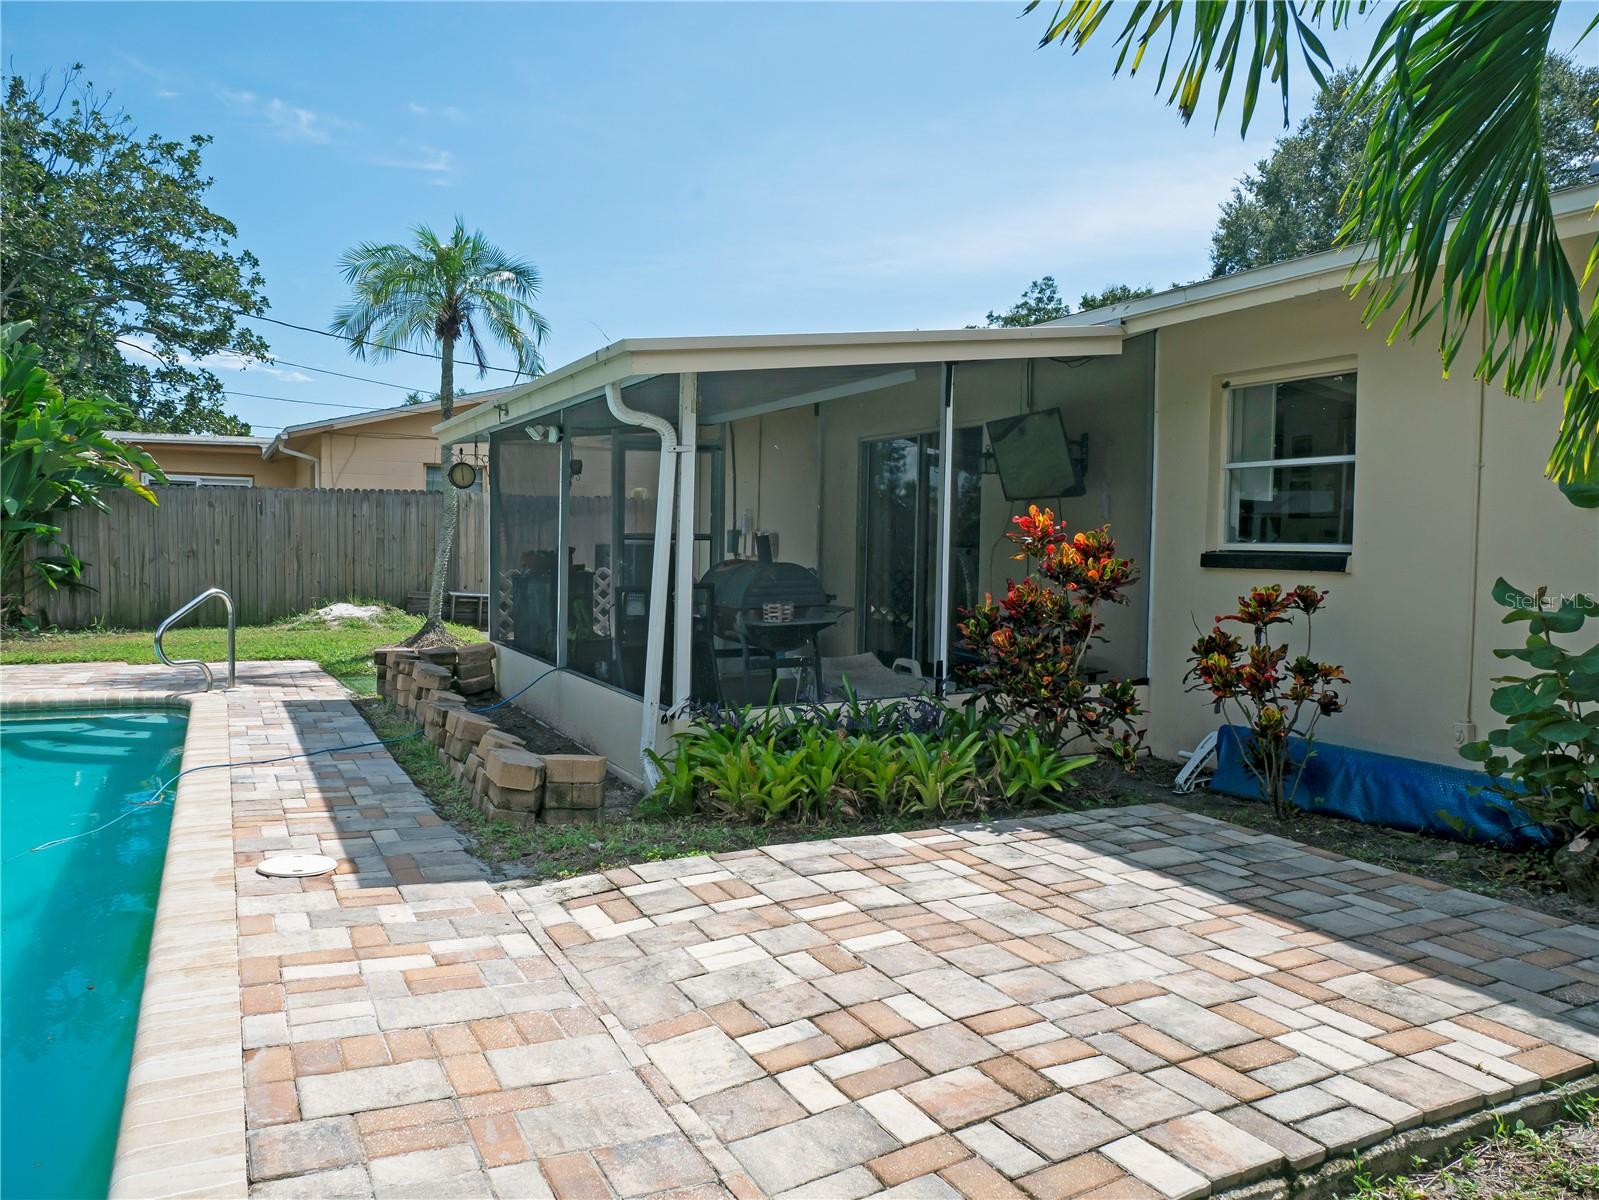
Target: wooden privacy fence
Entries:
(276, 551)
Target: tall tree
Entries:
(441, 293)
(1452, 199)
(1292, 203)
(1113, 293)
(1042, 301)
(130, 280)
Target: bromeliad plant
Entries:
(1546, 759)
(1033, 645)
(1256, 684)
(880, 759)
(57, 456)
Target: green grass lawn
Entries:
(343, 649)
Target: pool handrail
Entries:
(205, 668)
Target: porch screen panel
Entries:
(524, 506)
(615, 471)
(1097, 416)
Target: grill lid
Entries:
(743, 584)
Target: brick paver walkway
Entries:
(1123, 1003)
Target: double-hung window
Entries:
(1289, 478)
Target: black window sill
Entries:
(1277, 560)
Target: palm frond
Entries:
(1210, 37)
(1455, 194)
(460, 286)
(1455, 204)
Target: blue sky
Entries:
(671, 168)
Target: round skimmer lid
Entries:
(296, 866)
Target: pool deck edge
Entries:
(183, 1126)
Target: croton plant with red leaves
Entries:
(1255, 684)
(1033, 644)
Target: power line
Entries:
(342, 375)
(460, 362)
(381, 437)
(287, 400)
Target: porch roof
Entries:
(633, 359)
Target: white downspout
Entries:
(659, 568)
(316, 463)
(946, 507)
(688, 416)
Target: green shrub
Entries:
(1031, 648)
(57, 455)
(882, 759)
(1546, 758)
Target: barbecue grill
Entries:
(771, 613)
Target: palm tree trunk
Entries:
(452, 501)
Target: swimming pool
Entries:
(77, 919)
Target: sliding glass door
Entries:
(900, 561)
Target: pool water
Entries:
(77, 918)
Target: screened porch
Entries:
(843, 515)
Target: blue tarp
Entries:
(1384, 789)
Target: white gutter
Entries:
(688, 416)
(316, 463)
(655, 644)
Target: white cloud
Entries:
(424, 159)
(288, 121)
(449, 112)
(1090, 223)
(296, 124)
(141, 348)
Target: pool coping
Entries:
(182, 1129)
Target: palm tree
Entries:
(1453, 90)
(435, 294)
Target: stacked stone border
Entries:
(436, 687)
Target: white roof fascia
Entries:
(226, 441)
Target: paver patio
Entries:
(1133, 1002)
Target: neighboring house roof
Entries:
(1327, 271)
(336, 424)
(268, 447)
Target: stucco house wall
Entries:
(386, 450)
(1449, 494)
(392, 453)
(200, 459)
